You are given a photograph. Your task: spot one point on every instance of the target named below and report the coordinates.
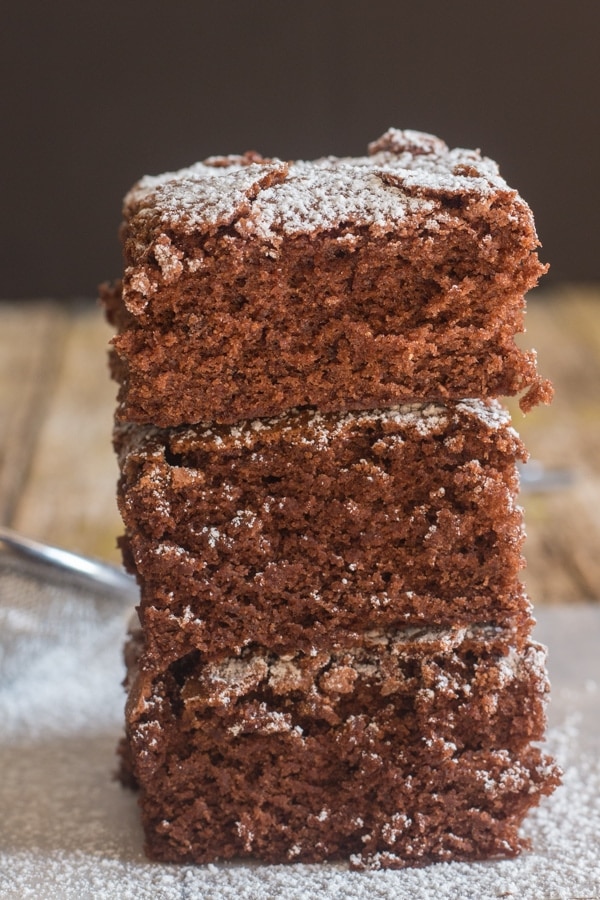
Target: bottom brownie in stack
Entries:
(411, 748)
(334, 659)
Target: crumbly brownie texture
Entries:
(253, 285)
(414, 747)
(306, 530)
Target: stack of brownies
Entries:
(334, 657)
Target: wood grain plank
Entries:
(69, 496)
(563, 524)
(31, 337)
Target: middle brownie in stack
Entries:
(334, 658)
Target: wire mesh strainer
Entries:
(51, 597)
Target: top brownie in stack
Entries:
(253, 285)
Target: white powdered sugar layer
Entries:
(405, 172)
(315, 427)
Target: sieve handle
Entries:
(52, 560)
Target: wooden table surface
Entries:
(57, 472)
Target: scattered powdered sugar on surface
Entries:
(68, 830)
(405, 171)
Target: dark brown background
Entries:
(95, 94)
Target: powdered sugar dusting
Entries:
(378, 660)
(203, 195)
(492, 414)
(405, 171)
(315, 427)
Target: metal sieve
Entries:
(51, 597)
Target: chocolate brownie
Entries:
(308, 529)
(253, 285)
(414, 747)
(319, 492)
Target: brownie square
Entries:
(414, 747)
(253, 285)
(308, 529)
